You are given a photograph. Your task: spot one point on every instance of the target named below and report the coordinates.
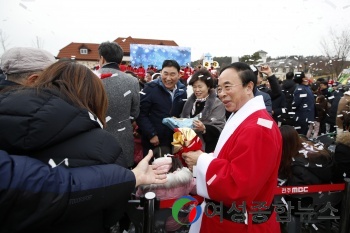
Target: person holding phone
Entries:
(273, 89)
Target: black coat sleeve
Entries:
(211, 138)
(275, 88)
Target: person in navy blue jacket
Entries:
(161, 98)
(303, 103)
(36, 198)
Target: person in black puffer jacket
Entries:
(61, 119)
(342, 157)
(303, 163)
(288, 88)
(332, 116)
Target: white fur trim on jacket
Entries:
(204, 160)
(175, 179)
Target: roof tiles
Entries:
(73, 49)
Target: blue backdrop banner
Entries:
(156, 54)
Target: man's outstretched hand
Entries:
(147, 174)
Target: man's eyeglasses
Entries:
(227, 88)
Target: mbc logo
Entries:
(300, 189)
(194, 214)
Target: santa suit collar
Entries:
(253, 105)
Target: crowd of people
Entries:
(152, 72)
(69, 137)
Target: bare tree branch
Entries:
(3, 39)
(38, 42)
(336, 47)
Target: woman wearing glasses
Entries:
(208, 110)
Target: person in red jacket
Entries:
(239, 178)
(149, 68)
(187, 72)
(141, 72)
(122, 66)
(129, 68)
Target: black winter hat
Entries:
(298, 77)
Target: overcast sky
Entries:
(219, 27)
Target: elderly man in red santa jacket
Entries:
(239, 178)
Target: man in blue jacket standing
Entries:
(161, 98)
(303, 103)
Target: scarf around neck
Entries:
(195, 102)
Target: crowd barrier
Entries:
(150, 203)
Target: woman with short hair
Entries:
(206, 108)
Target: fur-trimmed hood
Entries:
(179, 183)
(175, 179)
(343, 138)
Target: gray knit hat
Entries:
(22, 59)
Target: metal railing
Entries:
(150, 203)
